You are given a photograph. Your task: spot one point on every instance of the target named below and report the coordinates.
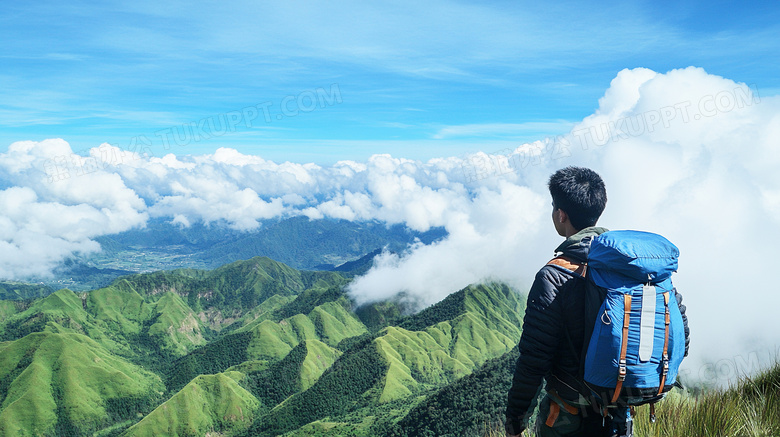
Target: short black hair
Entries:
(580, 193)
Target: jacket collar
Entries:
(578, 245)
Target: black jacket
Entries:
(556, 323)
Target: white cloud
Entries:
(212, 200)
(37, 235)
(44, 223)
(489, 238)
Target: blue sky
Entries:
(413, 80)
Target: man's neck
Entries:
(569, 230)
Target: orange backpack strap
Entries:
(623, 347)
(578, 269)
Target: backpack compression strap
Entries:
(666, 345)
(578, 269)
(623, 348)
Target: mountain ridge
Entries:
(285, 348)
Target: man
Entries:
(578, 199)
(554, 327)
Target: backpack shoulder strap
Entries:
(570, 265)
(593, 299)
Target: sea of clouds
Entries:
(687, 154)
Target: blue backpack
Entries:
(638, 339)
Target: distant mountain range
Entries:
(297, 241)
(252, 348)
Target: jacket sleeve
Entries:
(542, 329)
(685, 320)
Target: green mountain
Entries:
(359, 266)
(315, 244)
(466, 407)
(453, 338)
(8, 308)
(117, 317)
(62, 383)
(265, 340)
(22, 290)
(208, 404)
(63, 307)
(296, 372)
(227, 292)
(174, 327)
(251, 348)
(295, 241)
(157, 317)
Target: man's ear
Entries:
(562, 216)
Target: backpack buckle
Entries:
(622, 370)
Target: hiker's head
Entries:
(579, 198)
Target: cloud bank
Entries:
(687, 154)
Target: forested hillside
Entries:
(251, 348)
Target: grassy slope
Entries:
(487, 327)
(267, 341)
(120, 319)
(298, 371)
(338, 390)
(208, 403)
(22, 290)
(175, 327)
(119, 308)
(330, 322)
(319, 357)
(63, 307)
(63, 381)
(253, 281)
(8, 308)
(264, 311)
(464, 408)
(66, 309)
(752, 408)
